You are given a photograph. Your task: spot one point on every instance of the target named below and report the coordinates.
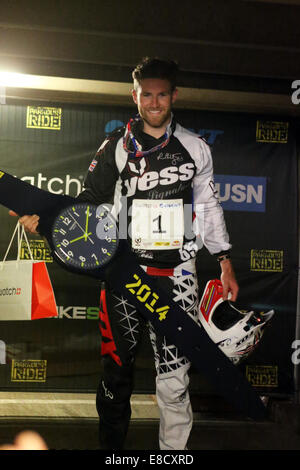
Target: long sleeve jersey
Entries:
(182, 170)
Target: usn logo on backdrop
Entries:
(241, 193)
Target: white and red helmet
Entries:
(236, 332)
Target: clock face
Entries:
(84, 236)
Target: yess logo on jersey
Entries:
(165, 177)
(138, 167)
(242, 193)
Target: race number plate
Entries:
(157, 224)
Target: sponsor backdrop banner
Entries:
(255, 161)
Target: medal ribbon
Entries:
(138, 152)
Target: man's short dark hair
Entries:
(156, 68)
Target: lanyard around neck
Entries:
(137, 148)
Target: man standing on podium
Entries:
(153, 158)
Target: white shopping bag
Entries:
(18, 287)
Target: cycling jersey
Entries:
(180, 170)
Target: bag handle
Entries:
(23, 234)
(20, 231)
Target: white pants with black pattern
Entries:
(172, 378)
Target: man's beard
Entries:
(154, 122)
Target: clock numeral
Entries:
(67, 221)
(82, 258)
(74, 212)
(65, 243)
(70, 253)
(62, 231)
(101, 216)
(107, 227)
(95, 258)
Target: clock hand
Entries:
(85, 235)
(87, 219)
(69, 213)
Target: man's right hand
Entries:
(30, 222)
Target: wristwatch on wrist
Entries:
(223, 257)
